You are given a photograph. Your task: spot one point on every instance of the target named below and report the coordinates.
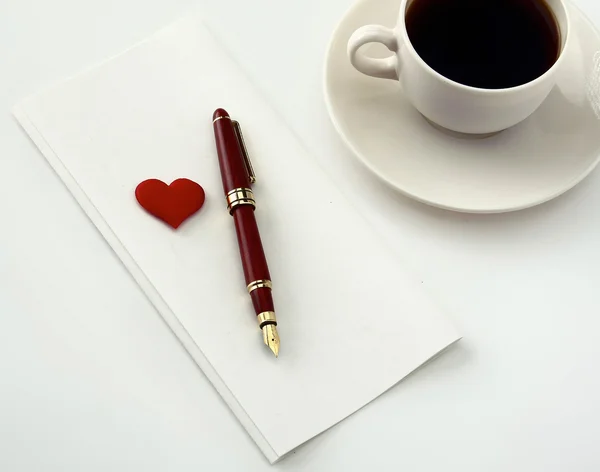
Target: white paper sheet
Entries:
(352, 321)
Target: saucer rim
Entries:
(395, 186)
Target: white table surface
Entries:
(92, 379)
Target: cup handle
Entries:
(381, 68)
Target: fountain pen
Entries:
(237, 175)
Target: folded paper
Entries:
(352, 320)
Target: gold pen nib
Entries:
(271, 338)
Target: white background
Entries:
(92, 379)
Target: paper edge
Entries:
(145, 285)
(457, 339)
(18, 109)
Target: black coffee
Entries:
(489, 44)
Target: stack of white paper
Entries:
(352, 321)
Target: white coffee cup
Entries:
(447, 103)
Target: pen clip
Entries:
(240, 138)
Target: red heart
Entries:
(173, 203)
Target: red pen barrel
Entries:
(235, 178)
(237, 175)
(253, 257)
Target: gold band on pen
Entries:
(220, 118)
(266, 317)
(252, 286)
(240, 196)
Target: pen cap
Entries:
(231, 152)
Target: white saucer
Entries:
(536, 161)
